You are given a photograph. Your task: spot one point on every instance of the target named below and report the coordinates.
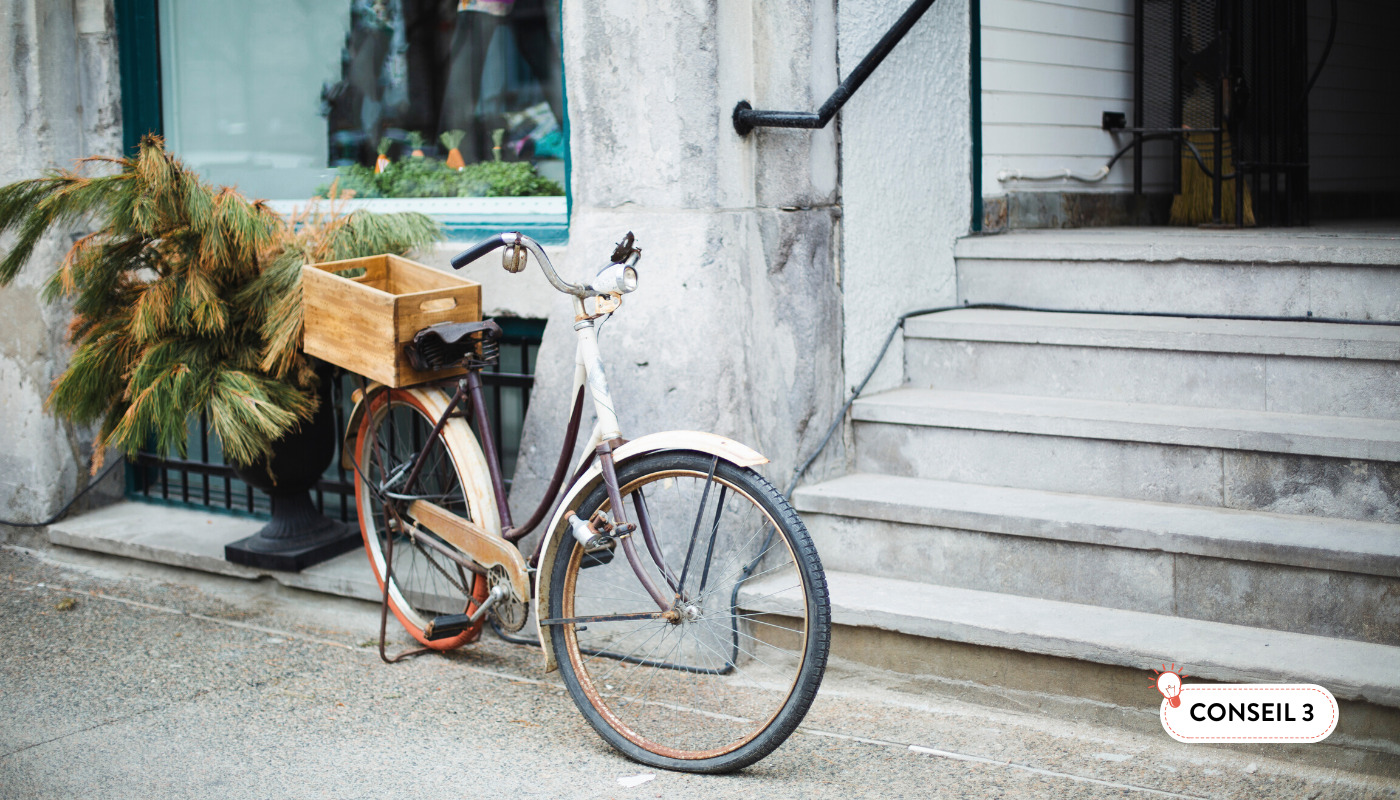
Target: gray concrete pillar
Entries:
(736, 326)
(58, 101)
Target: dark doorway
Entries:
(1281, 111)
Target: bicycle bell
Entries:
(514, 257)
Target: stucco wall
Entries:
(58, 101)
(906, 177)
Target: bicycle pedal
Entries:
(446, 626)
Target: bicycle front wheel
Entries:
(423, 583)
(714, 684)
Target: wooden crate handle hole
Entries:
(438, 304)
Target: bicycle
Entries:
(661, 649)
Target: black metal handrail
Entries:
(746, 117)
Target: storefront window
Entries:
(394, 98)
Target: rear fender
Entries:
(557, 532)
(352, 426)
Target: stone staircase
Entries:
(1120, 490)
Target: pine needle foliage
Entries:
(186, 299)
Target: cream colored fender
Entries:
(557, 532)
(352, 427)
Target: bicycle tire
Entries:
(724, 685)
(423, 582)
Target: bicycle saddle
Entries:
(449, 343)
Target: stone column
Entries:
(59, 100)
(736, 326)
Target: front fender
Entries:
(709, 443)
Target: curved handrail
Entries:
(746, 117)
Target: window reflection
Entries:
(281, 97)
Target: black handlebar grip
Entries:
(476, 251)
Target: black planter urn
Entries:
(298, 535)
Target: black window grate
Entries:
(204, 480)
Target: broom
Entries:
(1193, 205)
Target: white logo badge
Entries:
(1238, 712)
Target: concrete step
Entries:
(1285, 463)
(1234, 429)
(1292, 367)
(1085, 633)
(1329, 274)
(1329, 577)
(195, 539)
(1343, 545)
(1202, 476)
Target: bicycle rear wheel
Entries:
(424, 583)
(719, 684)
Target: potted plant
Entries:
(186, 300)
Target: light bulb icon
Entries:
(1169, 684)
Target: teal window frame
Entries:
(138, 49)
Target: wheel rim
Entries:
(676, 689)
(425, 583)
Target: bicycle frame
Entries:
(604, 451)
(694, 673)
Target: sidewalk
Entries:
(159, 681)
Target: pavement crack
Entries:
(105, 723)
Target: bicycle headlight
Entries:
(614, 279)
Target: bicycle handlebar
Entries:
(478, 250)
(513, 238)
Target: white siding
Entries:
(1354, 109)
(1049, 71)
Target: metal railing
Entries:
(202, 479)
(746, 117)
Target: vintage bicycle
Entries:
(649, 575)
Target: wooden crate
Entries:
(362, 323)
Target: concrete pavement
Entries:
(125, 679)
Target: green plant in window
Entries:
(498, 137)
(183, 299)
(423, 177)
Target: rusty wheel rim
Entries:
(604, 696)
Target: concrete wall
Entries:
(736, 326)
(59, 101)
(774, 264)
(906, 184)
